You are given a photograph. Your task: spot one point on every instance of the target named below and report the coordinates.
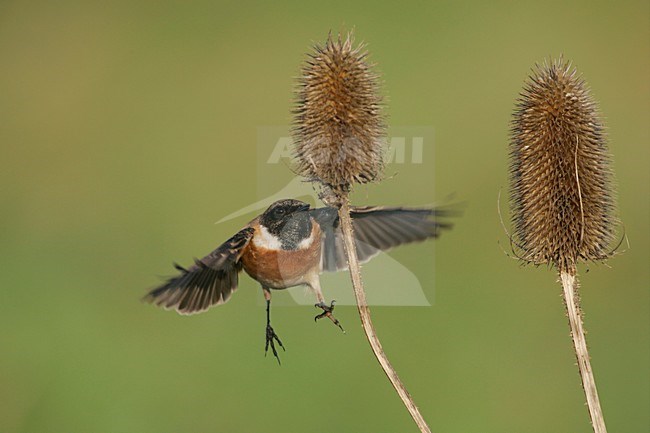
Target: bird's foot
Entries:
(271, 338)
(327, 312)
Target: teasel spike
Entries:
(561, 196)
(338, 133)
(339, 128)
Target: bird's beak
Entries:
(304, 207)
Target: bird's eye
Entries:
(280, 211)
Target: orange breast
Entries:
(279, 269)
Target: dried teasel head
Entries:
(562, 199)
(338, 126)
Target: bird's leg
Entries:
(327, 309)
(271, 336)
(327, 312)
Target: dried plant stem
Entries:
(364, 313)
(572, 301)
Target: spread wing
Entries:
(210, 281)
(377, 229)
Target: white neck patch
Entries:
(305, 243)
(267, 240)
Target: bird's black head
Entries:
(288, 221)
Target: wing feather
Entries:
(378, 229)
(210, 281)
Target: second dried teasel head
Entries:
(561, 194)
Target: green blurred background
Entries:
(128, 128)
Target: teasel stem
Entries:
(563, 203)
(364, 314)
(338, 131)
(572, 301)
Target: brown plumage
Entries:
(278, 268)
(561, 190)
(338, 125)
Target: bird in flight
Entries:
(291, 244)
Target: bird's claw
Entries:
(271, 338)
(327, 312)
